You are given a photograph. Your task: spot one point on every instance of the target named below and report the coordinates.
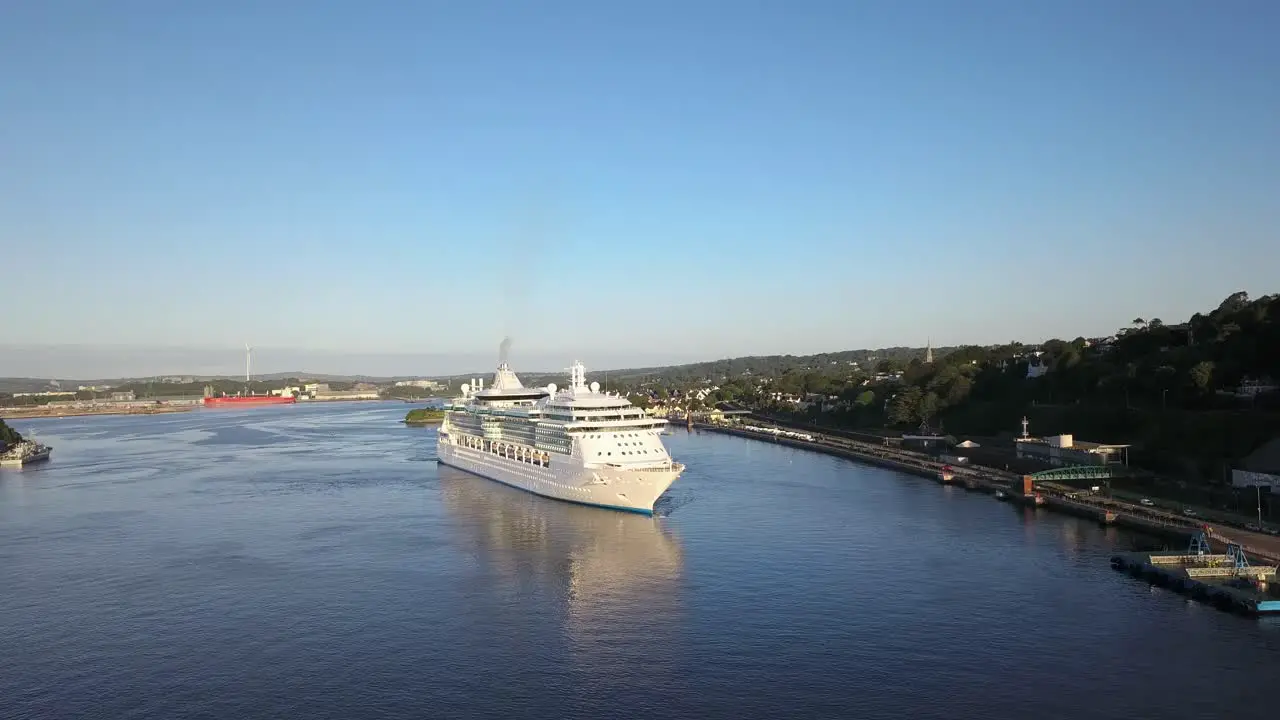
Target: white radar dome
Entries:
(551, 388)
(465, 387)
(595, 387)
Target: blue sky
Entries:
(657, 179)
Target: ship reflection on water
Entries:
(613, 578)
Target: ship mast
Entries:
(248, 360)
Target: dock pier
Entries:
(1225, 580)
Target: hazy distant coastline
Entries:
(86, 363)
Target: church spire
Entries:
(928, 351)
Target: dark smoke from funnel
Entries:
(504, 349)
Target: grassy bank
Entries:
(424, 416)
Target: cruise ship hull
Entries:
(632, 490)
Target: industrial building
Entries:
(1065, 450)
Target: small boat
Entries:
(1002, 495)
(945, 474)
(24, 452)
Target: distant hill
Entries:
(325, 377)
(13, 385)
(756, 364)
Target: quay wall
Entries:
(1132, 517)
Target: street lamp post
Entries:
(1258, 490)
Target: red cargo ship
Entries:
(248, 400)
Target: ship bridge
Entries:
(506, 387)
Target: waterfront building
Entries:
(1260, 469)
(1065, 450)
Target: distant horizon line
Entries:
(481, 363)
(539, 365)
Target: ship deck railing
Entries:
(658, 468)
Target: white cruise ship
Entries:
(576, 444)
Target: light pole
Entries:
(1258, 490)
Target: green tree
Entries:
(1202, 375)
(866, 398)
(958, 391)
(928, 407)
(8, 435)
(1234, 303)
(424, 416)
(904, 408)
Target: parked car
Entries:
(1146, 502)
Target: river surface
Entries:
(315, 562)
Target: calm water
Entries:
(314, 562)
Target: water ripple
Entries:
(316, 562)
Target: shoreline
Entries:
(24, 414)
(977, 478)
(38, 413)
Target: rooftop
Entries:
(1072, 443)
(1265, 459)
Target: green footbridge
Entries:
(1078, 472)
